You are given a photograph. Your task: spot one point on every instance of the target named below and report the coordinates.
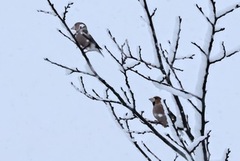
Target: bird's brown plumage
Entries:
(84, 39)
(158, 111)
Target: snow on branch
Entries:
(182, 139)
(192, 147)
(172, 58)
(70, 70)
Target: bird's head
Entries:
(155, 100)
(79, 26)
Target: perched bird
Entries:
(84, 39)
(158, 112)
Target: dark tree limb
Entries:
(75, 70)
(149, 150)
(125, 96)
(227, 154)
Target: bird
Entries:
(85, 39)
(158, 112)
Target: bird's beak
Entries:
(73, 28)
(152, 99)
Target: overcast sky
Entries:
(43, 118)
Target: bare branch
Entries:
(172, 70)
(130, 56)
(68, 30)
(127, 118)
(207, 146)
(155, 132)
(66, 10)
(200, 9)
(227, 154)
(147, 64)
(129, 88)
(130, 133)
(199, 141)
(229, 11)
(175, 159)
(120, 48)
(170, 82)
(112, 55)
(153, 13)
(84, 92)
(165, 84)
(177, 40)
(135, 143)
(129, 49)
(132, 66)
(213, 3)
(115, 115)
(140, 149)
(140, 132)
(173, 140)
(47, 12)
(150, 151)
(186, 57)
(178, 69)
(202, 51)
(225, 54)
(60, 31)
(220, 30)
(146, 77)
(123, 69)
(154, 36)
(125, 94)
(233, 53)
(76, 70)
(176, 129)
(96, 93)
(194, 106)
(159, 56)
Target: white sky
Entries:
(42, 118)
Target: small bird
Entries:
(84, 39)
(158, 111)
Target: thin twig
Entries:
(76, 70)
(229, 11)
(227, 154)
(148, 149)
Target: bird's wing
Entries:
(90, 38)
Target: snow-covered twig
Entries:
(192, 147)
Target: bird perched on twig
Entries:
(84, 39)
(158, 111)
